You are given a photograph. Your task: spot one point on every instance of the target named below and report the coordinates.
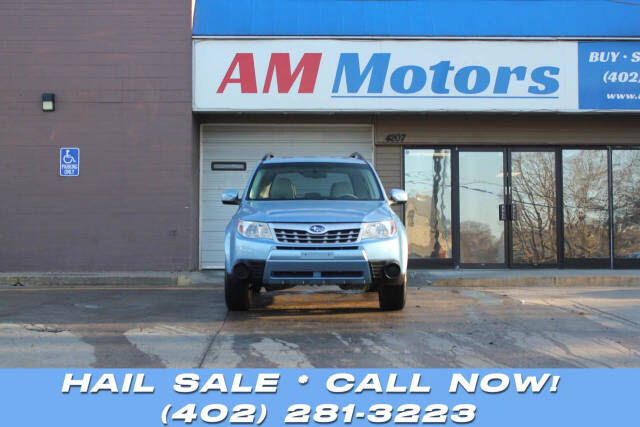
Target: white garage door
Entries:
(249, 143)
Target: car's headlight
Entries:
(378, 230)
(254, 230)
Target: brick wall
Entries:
(121, 73)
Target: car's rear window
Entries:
(314, 181)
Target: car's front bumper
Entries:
(317, 267)
(357, 264)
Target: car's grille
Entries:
(322, 274)
(292, 273)
(377, 270)
(257, 270)
(349, 235)
(341, 274)
(316, 248)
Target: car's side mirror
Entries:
(230, 197)
(398, 196)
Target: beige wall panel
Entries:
(388, 163)
(532, 129)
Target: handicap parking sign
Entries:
(69, 161)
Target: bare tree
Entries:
(586, 204)
(534, 195)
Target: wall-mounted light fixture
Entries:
(48, 102)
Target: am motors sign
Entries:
(384, 75)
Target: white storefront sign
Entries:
(383, 75)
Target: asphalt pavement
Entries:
(441, 327)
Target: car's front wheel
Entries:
(393, 296)
(236, 293)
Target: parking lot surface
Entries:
(186, 327)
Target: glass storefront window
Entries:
(509, 201)
(626, 203)
(586, 204)
(428, 210)
(481, 194)
(533, 183)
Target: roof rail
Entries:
(358, 156)
(268, 156)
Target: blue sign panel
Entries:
(418, 18)
(69, 161)
(320, 397)
(609, 75)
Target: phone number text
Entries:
(300, 413)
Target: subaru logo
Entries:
(317, 229)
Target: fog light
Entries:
(391, 270)
(48, 102)
(241, 271)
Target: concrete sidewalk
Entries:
(460, 277)
(525, 277)
(114, 279)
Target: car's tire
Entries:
(393, 297)
(236, 293)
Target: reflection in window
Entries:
(533, 180)
(481, 194)
(428, 210)
(586, 210)
(626, 203)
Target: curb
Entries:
(207, 278)
(113, 279)
(550, 281)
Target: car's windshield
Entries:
(314, 181)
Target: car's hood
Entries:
(321, 211)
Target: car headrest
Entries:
(340, 189)
(282, 188)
